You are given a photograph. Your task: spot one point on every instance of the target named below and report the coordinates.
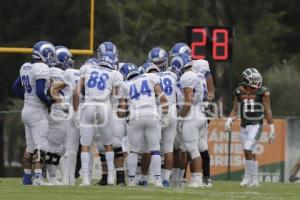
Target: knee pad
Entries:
(118, 152)
(38, 156)
(155, 152)
(102, 158)
(52, 158)
(194, 153)
(205, 155)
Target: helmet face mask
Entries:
(252, 78)
(159, 57)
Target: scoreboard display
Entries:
(213, 43)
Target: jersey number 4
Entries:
(145, 90)
(99, 80)
(26, 83)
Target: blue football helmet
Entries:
(44, 51)
(91, 61)
(106, 47)
(159, 57)
(108, 60)
(64, 57)
(128, 70)
(150, 66)
(180, 48)
(141, 70)
(179, 63)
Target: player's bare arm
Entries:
(233, 114)
(56, 87)
(210, 88)
(268, 115)
(162, 98)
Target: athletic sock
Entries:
(132, 164)
(205, 163)
(110, 161)
(28, 171)
(181, 175)
(85, 157)
(248, 167)
(51, 169)
(38, 173)
(254, 168)
(156, 165)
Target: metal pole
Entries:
(229, 156)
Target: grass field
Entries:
(11, 189)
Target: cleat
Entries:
(254, 182)
(27, 179)
(246, 181)
(143, 183)
(41, 182)
(293, 178)
(158, 182)
(110, 179)
(207, 182)
(103, 181)
(166, 183)
(54, 181)
(131, 182)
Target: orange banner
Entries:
(266, 153)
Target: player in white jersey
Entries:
(34, 78)
(138, 95)
(98, 83)
(192, 120)
(201, 67)
(65, 133)
(168, 85)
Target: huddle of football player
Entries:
(148, 120)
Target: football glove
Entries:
(228, 124)
(164, 121)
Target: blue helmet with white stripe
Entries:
(106, 47)
(148, 66)
(180, 48)
(159, 57)
(44, 51)
(179, 63)
(64, 57)
(108, 60)
(129, 70)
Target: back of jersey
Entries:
(71, 78)
(141, 96)
(191, 80)
(168, 85)
(29, 73)
(99, 82)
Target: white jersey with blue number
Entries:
(191, 80)
(140, 94)
(115, 97)
(71, 78)
(201, 66)
(168, 85)
(29, 73)
(99, 82)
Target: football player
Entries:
(34, 80)
(159, 57)
(201, 67)
(192, 120)
(66, 86)
(138, 95)
(252, 99)
(98, 83)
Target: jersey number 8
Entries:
(97, 80)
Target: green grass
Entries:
(11, 189)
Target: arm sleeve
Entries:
(40, 88)
(18, 89)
